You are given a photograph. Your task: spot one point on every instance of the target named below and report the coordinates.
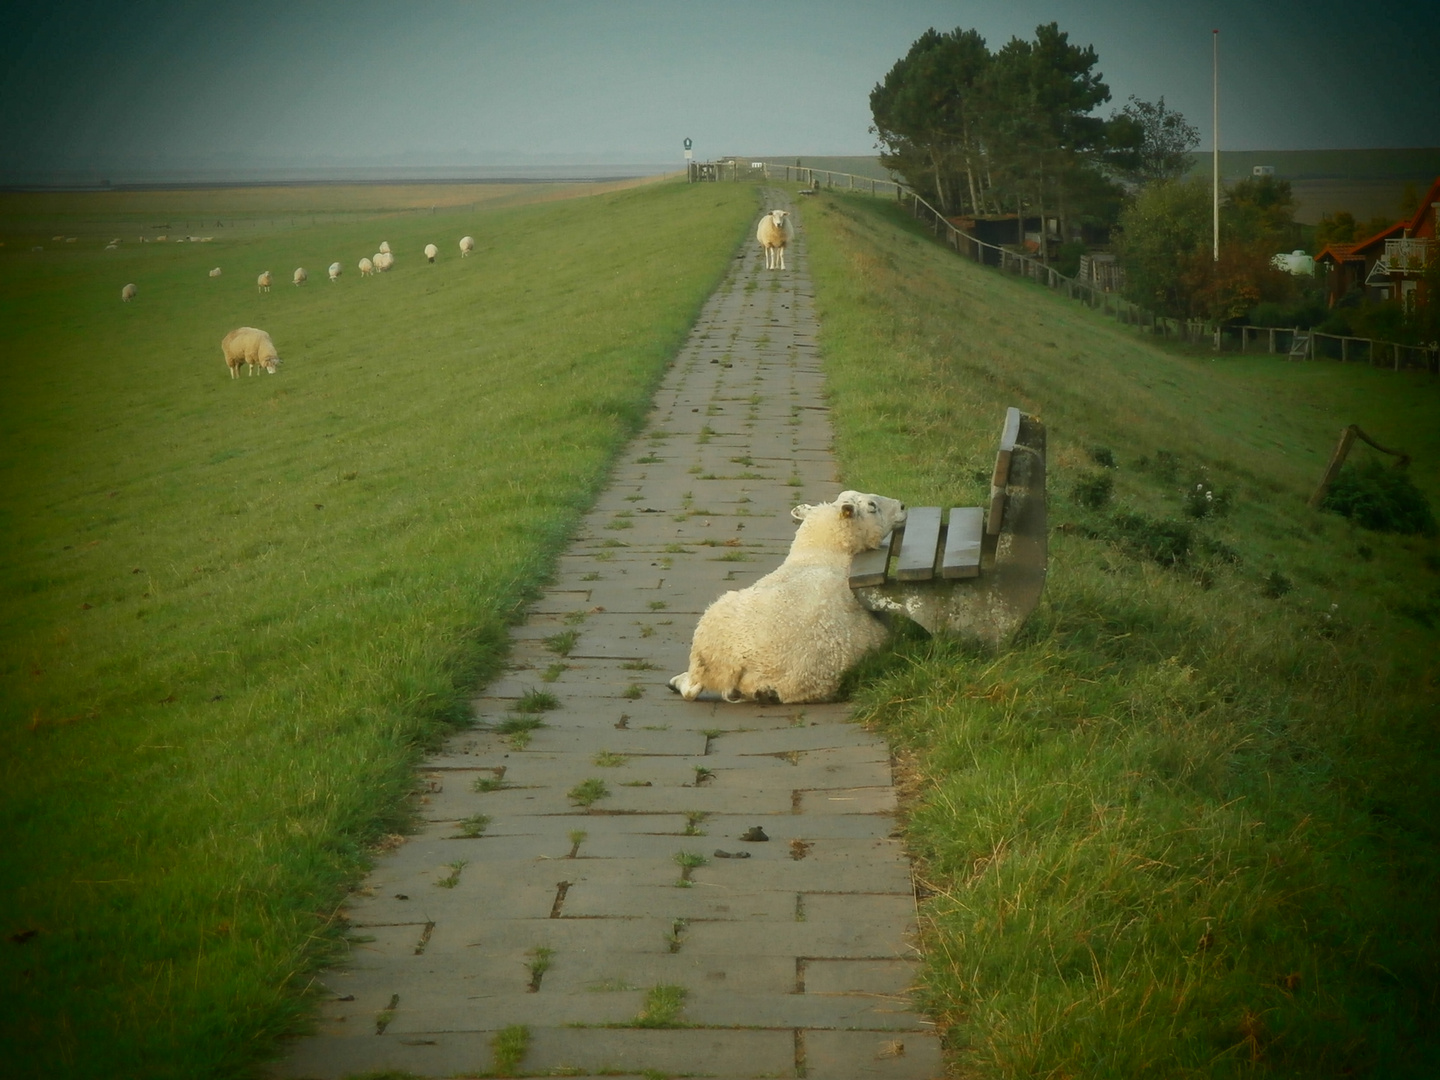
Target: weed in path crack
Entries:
(540, 958)
(688, 861)
(453, 878)
(588, 792)
(508, 1049)
(676, 937)
(562, 643)
(385, 1015)
(663, 1006)
(474, 826)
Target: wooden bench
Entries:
(981, 572)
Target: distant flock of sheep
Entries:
(381, 261)
(253, 348)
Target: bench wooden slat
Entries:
(868, 568)
(1001, 477)
(917, 546)
(962, 543)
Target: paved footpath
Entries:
(794, 952)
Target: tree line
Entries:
(1013, 131)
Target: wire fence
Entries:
(1300, 344)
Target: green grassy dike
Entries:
(233, 613)
(1186, 824)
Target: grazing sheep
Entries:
(467, 245)
(792, 635)
(248, 345)
(384, 247)
(215, 272)
(335, 271)
(367, 268)
(431, 251)
(300, 276)
(772, 233)
(262, 283)
(127, 293)
(383, 261)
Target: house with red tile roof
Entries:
(1389, 265)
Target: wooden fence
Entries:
(1309, 344)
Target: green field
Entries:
(235, 611)
(1184, 826)
(1187, 824)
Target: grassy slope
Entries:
(234, 611)
(1186, 824)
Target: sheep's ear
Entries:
(801, 512)
(847, 510)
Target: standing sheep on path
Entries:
(335, 271)
(248, 345)
(773, 232)
(431, 251)
(467, 245)
(367, 268)
(128, 293)
(792, 635)
(300, 276)
(262, 283)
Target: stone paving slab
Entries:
(797, 953)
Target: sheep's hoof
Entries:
(733, 696)
(768, 696)
(673, 684)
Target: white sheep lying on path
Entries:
(792, 635)
(367, 268)
(262, 283)
(249, 346)
(467, 245)
(431, 251)
(300, 276)
(773, 233)
(334, 271)
(128, 293)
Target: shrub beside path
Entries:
(590, 879)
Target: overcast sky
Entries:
(154, 83)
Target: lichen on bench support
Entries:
(992, 605)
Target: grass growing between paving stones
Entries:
(1186, 823)
(508, 1049)
(588, 792)
(235, 611)
(664, 1007)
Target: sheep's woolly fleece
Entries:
(247, 345)
(792, 635)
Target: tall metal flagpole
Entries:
(1215, 82)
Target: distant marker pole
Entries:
(1215, 85)
(1215, 180)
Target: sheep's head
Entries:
(271, 363)
(777, 218)
(873, 516)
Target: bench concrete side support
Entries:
(1012, 576)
